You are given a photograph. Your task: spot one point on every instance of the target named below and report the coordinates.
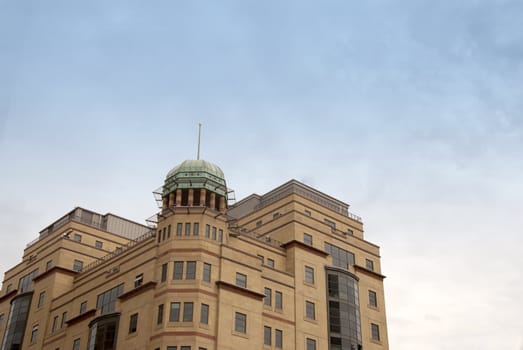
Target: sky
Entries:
(410, 111)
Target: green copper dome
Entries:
(196, 174)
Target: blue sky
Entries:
(410, 111)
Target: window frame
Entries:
(133, 323)
(309, 275)
(310, 310)
(241, 280)
(240, 322)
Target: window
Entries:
(340, 257)
(77, 237)
(332, 224)
(185, 348)
(375, 331)
(138, 280)
(178, 270)
(98, 244)
(159, 318)
(48, 265)
(187, 228)
(309, 274)
(76, 344)
(278, 338)
(187, 312)
(169, 231)
(270, 262)
(207, 231)
(262, 259)
(55, 324)
(267, 335)
(41, 299)
(204, 314)
(311, 344)
(350, 232)
(34, 333)
(241, 280)
(369, 264)
(159, 235)
(107, 300)
(179, 228)
(307, 212)
(9, 287)
(310, 311)
(240, 322)
(170, 348)
(220, 235)
(196, 229)
(307, 239)
(190, 274)
(259, 223)
(268, 297)
(174, 313)
(25, 284)
(278, 300)
(133, 323)
(64, 319)
(373, 301)
(83, 307)
(164, 272)
(78, 265)
(213, 233)
(206, 272)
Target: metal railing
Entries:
(118, 251)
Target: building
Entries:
(289, 269)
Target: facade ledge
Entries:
(55, 269)
(366, 271)
(240, 290)
(295, 243)
(8, 295)
(81, 317)
(138, 290)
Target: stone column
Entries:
(165, 202)
(178, 197)
(222, 204)
(213, 200)
(190, 199)
(203, 193)
(171, 199)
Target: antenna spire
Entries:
(199, 134)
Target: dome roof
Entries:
(196, 174)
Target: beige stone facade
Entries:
(289, 269)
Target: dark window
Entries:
(83, 307)
(133, 323)
(278, 338)
(190, 274)
(332, 224)
(76, 344)
(185, 347)
(375, 331)
(103, 333)
(138, 280)
(164, 233)
(340, 257)
(174, 314)
(369, 264)
(170, 348)
(241, 280)
(77, 237)
(187, 312)
(262, 259)
(179, 228)
(267, 336)
(187, 228)
(107, 300)
(196, 229)
(178, 270)
(309, 274)
(270, 262)
(204, 314)
(41, 299)
(373, 301)
(307, 212)
(78, 265)
(213, 233)
(34, 333)
(278, 300)
(207, 231)
(159, 318)
(206, 272)
(164, 272)
(9, 287)
(240, 322)
(48, 265)
(220, 235)
(311, 344)
(307, 239)
(310, 311)
(169, 231)
(98, 244)
(259, 223)
(55, 324)
(64, 319)
(268, 297)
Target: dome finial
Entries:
(199, 134)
